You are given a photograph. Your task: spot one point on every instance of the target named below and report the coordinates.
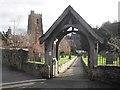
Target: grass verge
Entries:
(102, 61)
(65, 59)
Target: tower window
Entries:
(37, 21)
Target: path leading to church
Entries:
(75, 72)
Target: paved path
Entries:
(74, 77)
(75, 72)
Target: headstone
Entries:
(109, 58)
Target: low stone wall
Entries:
(17, 59)
(14, 57)
(108, 74)
(38, 70)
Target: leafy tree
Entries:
(106, 37)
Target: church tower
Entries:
(35, 30)
(35, 27)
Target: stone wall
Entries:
(14, 57)
(38, 70)
(17, 59)
(108, 74)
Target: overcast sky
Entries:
(15, 12)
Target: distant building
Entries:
(67, 45)
(9, 33)
(35, 31)
(29, 41)
(7, 38)
(35, 26)
(64, 46)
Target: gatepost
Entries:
(55, 66)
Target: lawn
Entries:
(65, 59)
(102, 61)
(37, 62)
(61, 61)
(85, 59)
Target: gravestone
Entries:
(109, 58)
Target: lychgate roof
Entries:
(69, 10)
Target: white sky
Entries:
(95, 12)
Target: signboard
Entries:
(50, 53)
